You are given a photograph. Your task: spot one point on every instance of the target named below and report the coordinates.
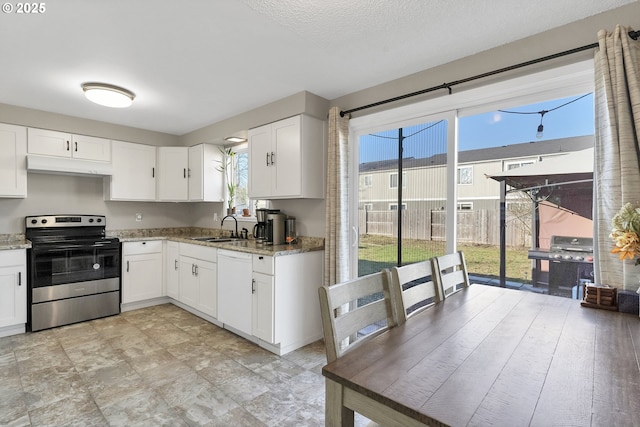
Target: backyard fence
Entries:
(479, 226)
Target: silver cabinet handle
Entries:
(76, 143)
(196, 269)
(175, 264)
(267, 159)
(19, 278)
(153, 172)
(253, 286)
(189, 173)
(193, 269)
(272, 156)
(68, 146)
(127, 266)
(184, 172)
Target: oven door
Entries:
(56, 264)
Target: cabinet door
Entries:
(141, 277)
(49, 143)
(90, 148)
(260, 162)
(173, 163)
(286, 174)
(206, 273)
(189, 290)
(172, 270)
(13, 296)
(196, 179)
(13, 173)
(134, 172)
(263, 307)
(205, 177)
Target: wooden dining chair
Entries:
(450, 273)
(413, 289)
(354, 312)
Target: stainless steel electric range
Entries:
(73, 269)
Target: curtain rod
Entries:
(633, 34)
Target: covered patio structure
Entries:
(561, 191)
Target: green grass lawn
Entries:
(378, 252)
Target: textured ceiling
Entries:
(197, 62)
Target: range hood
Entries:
(67, 166)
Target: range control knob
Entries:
(567, 257)
(556, 256)
(44, 221)
(90, 219)
(579, 258)
(34, 221)
(99, 219)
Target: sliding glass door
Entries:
(402, 194)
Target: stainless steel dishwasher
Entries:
(234, 290)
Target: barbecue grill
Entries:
(570, 265)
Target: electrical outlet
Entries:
(215, 216)
(138, 217)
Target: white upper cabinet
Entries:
(134, 172)
(287, 159)
(190, 174)
(13, 169)
(173, 165)
(205, 180)
(61, 144)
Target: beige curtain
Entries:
(336, 255)
(617, 153)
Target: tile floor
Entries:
(158, 366)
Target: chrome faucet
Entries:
(234, 218)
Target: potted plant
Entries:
(227, 166)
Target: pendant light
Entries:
(540, 127)
(108, 95)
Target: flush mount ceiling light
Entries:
(108, 95)
(235, 139)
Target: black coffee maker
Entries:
(260, 229)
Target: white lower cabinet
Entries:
(141, 271)
(263, 306)
(172, 270)
(198, 278)
(285, 308)
(13, 292)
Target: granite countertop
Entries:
(186, 235)
(13, 241)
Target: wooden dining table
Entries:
(490, 356)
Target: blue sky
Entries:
(487, 130)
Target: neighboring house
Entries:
(379, 180)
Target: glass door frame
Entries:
(557, 81)
(365, 125)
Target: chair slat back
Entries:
(355, 311)
(451, 273)
(413, 284)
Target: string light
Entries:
(539, 133)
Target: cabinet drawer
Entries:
(13, 257)
(144, 247)
(263, 264)
(199, 252)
